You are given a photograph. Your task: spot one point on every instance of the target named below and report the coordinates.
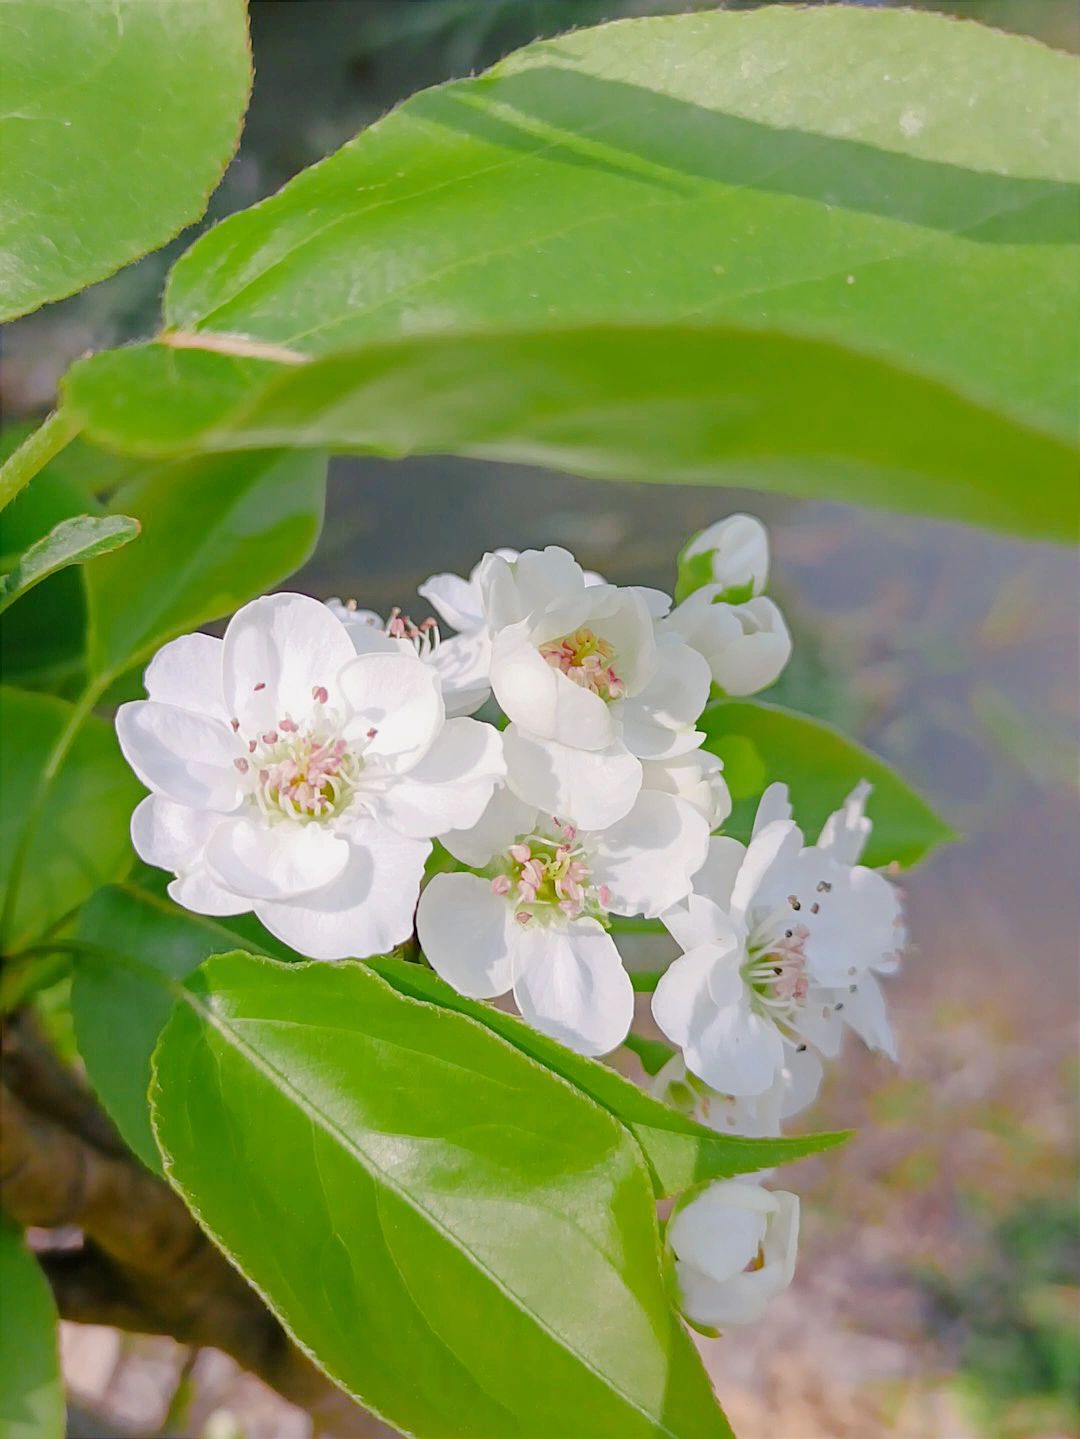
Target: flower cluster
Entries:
(306, 766)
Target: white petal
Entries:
(170, 835)
(451, 786)
(542, 577)
(739, 546)
(854, 917)
(801, 1080)
(464, 931)
(367, 910)
(464, 666)
(684, 989)
(720, 1231)
(593, 788)
(757, 656)
(765, 873)
(534, 694)
(504, 819)
(274, 861)
(774, 804)
(744, 1297)
(866, 1014)
(697, 777)
(278, 651)
(702, 917)
(648, 859)
(570, 983)
(660, 720)
(656, 602)
(398, 697)
(186, 756)
(187, 673)
(845, 832)
(455, 600)
(198, 892)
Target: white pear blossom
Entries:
(725, 615)
(588, 686)
(462, 661)
(733, 554)
(734, 1247)
(536, 921)
(758, 1116)
(291, 776)
(782, 943)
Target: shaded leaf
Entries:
(31, 1393)
(762, 743)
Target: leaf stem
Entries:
(35, 452)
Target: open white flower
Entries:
(734, 1247)
(781, 943)
(724, 614)
(293, 777)
(461, 662)
(589, 689)
(758, 1116)
(536, 922)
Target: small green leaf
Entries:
(465, 1243)
(653, 1053)
(215, 533)
(71, 542)
(679, 1151)
(79, 840)
(119, 121)
(31, 1392)
(762, 743)
(121, 997)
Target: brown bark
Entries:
(145, 1265)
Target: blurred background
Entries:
(938, 1292)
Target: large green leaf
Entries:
(466, 1243)
(215, 532)
(54, 856)
(119, 119)
(832, 171)
(71, 542)
(698, 403)
(680, 1152)
(31, 1394)
(121, 998)
(762, 743)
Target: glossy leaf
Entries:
(702, 403)
(79, 839)
(119, 120)
(215, 533)
(71, 542)
(680, 1152)
(121, 996)
(762, 743)
(465, 1243)
(832, 171)
(31, 1393)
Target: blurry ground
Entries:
(937, 1295)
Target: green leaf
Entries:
(31, 1394)
(762, 743)
(701, 403)
(45, 636)
(680, 1152)
(465, 1243)
(120, 998)
(119, 121)
(71, 542)
(833, 171)
(53, 860)
(215, 532)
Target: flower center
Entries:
(587, 660)
(544, 875)
(302, 773)
(776, 968)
